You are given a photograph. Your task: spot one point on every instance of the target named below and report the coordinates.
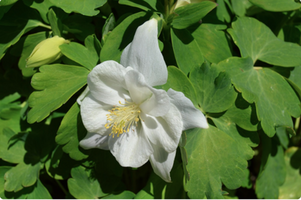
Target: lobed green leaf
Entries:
(57, 83)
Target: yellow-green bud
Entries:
(46, 52)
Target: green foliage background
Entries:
(239, 61)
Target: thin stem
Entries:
(62, 187)
(45, 26)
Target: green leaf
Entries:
(56, 24)
(275, 100)
(11, 34)
(222, 12)
(213, 42)
(4, 9)
(7, 2)
(23, 175)
(191, 14)
(84, 7)
(83, 186)
(262, 44)
(240, 7)
(187, 51)
(272, 173)
(80, 54)
(41, 7)
(123, 195)
(146, 5)
(70, 132)
(185, 86)
(7, 104)
(11, 151)
(295, 79)
(277, 5)
(214, 90)
(291, 187)
(121, 36)
(213, 159)
(57, 84)
(282, 134)
(13, 122)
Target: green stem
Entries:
(45, 26)
(62, 187)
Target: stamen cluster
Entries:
(122, 118)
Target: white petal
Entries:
(94, 140)
(162, 163)
(144, 55)
(106, 82)
(191, 116)
(155, 102)
(136, 86)
(131, 149)
(165, 131)
(82, 95)
(93, 114)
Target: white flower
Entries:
(123, 113)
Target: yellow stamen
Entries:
(122, 118)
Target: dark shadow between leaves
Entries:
(295, 161)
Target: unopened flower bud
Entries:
(46, 52)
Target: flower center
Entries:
(121, 118)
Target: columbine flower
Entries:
(123, 113)
(46, 52)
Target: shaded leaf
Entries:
(187, 51)
(84, 7)
(7, 104)
(11, 34)
(146, 5)
(83, 186)
(272, 169)
(11, 151)
(41, 7)
(70, 132)
(277, 5)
